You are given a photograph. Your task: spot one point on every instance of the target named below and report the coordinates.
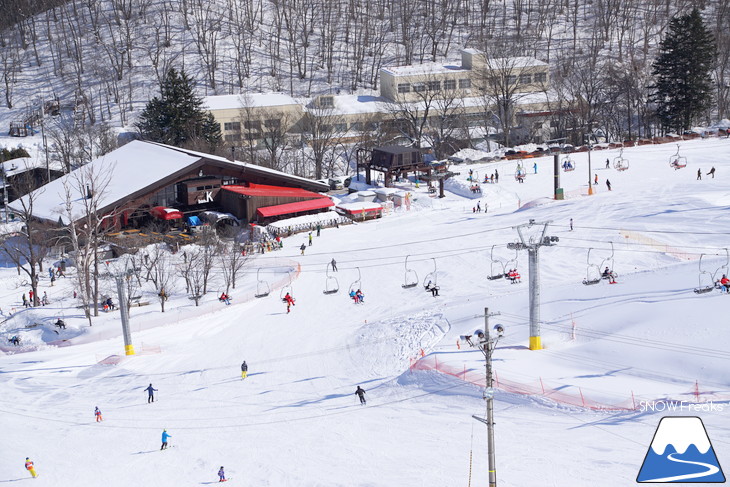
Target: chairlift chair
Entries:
(331, 284)
(707, 287)
(431, 277)
(612, 274)
(410, 278)
(287, 289)
(619, 163)
(592, 277)
(262, 287)
(568, 164)
(520, 172)
(496, 268)
(512, 263)
(356, 284)
(677, 161)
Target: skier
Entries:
(479, 207)
(310, 239)
(244, 370)
(699, 174)
(608, 184)
(607, 163)
(303, 248)
(571, 224)
(289, 301)
(534, 166)
(29, 467)
(165, 436)
(496, 176)
(334, 265)
(595, 179)
(361, 394)
(319, 229)
(712, 172)
(150, 394)
(26, 303)
(221, 475)
(44, 299)
(97, 414)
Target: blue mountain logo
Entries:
(681, 452)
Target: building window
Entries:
(511, 79)
(464, 84)
(356, 126)
(252, 125)
(419, 87)
(540, 77)
(525, 79)
(232, 126)
(434, 85)
(449, 84)
(232, 137)
(229, 180)
(272, 123)
(340, 127)
(326, 101)
(404, 88)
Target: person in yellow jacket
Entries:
(29, 467)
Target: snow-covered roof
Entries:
(419, 69)
(133, 169)
(247, 100)
(13, 167)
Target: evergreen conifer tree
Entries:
(683, 89)
(177, 117)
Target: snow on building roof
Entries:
(425, 68)
(247, 100)
(13, 167)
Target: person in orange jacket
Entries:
(97, 413)
(29, 467)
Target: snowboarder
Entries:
(289, 301)
(26, 303)
(244, 370)
(97, 414)
(608, 184)
(319, 229)
(534, 167)
(29, 467)
(150, 394)
(361, 394)
(607, 163)
(60, 323)
(310, 239)
(303, 248)
(712, 172)
(334, 265)
(595, 179)
(221, 475)
(571, 224)
(165, 436)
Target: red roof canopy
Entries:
(296, 207)
(253, 189)
(164, 213)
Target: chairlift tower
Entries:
(532, 244)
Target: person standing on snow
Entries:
(221, 475)
(534, 166)
(26, 303)
(479, 207)
(608, 184)
(150, 394)
(310, 239)
(29, 467)
(361, 394)
(607, 163)
(571, 224)
(97, 413)
(712, 172)
(496, 176)
(699, 174)
(595, 179)
(165, 436)
(244, 371)
(303, 248)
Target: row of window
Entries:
(526, 79)
(270, 123)
(448, 85)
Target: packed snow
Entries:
(295, 420)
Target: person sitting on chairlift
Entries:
(433, 288)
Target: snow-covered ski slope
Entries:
(295, 421)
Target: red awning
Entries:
(296, 207)
(265, 190)
(164, 213)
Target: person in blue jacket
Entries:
(150, 394)
(165, 436)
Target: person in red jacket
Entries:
(289, 302)
(724, 284)
(29, 467)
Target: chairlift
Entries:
(262, 287)
(512, 263)
(356, 284)
(287, 289)
(568, 164)
(496, 268)
(520, 172)
(620, 163)
(709, 286)
(611, 276)
(677, 161)
(410, 278)
(593, 271)
(431, 277)
(331, 284)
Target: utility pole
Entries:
(532, 245)
(486, 345)
(122, 296)
(590, 149)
